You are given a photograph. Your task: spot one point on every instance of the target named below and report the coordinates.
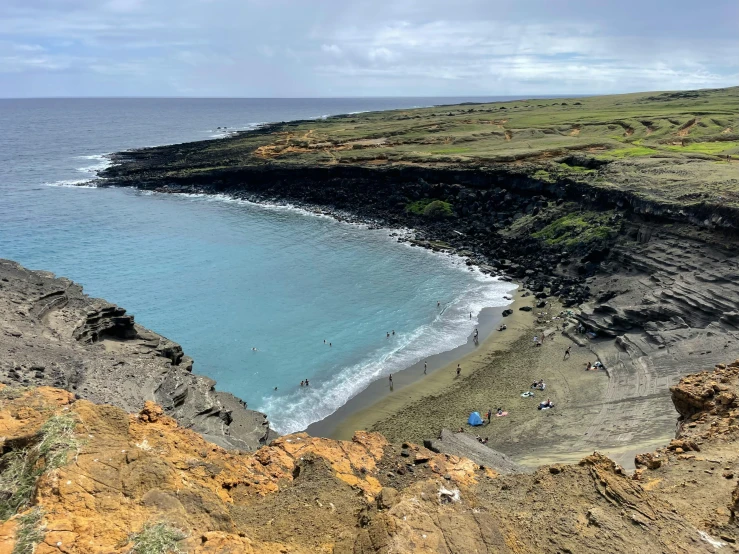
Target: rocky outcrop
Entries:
(125, 473)
(53, 334)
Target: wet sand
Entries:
(410, 380)
(494, 375)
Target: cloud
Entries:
(331, 49)
(378, 47)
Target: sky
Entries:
(312, 48)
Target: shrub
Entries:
(20, 469)
(158, 538)
(29, 533)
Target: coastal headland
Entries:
(623, 209)
(616, 216)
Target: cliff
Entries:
(623, 208)
(97, 479)
(52, 334)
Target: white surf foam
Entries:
(102, 161)
(296, 411)
(450, 329)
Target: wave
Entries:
(102, 162)
(451, 328)
(297, 410)
(225, 132)
(73, 183)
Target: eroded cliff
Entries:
(51, 333)
(123, 478)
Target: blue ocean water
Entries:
(220, 276)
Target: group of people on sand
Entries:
(539, 385)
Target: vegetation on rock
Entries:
(30, 532)
(578, 229)
(21, 468)
(433, 209)
(158, 538)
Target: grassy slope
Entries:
(680, 147)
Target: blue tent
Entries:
(475, 419)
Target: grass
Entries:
(11, 393)
(158, 538)
(433, 209)
(629, 152)
(711, 148)
(577, 229)
(20, 469)
(30, 532)
(636, 134)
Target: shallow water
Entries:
(222, 277)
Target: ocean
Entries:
(251, 292)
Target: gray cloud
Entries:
(383, 47)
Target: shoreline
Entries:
(407, 380)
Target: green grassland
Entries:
(675, 147)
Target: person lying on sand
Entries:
(501, 413)
(502, 327)
(545, 405)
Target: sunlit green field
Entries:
(677, 147)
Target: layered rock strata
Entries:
(52, 334)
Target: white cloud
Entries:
(382, 47)
(331, 49)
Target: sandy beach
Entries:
(494, 375)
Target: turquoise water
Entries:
(222, 277)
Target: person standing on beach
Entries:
(425, 366)
(489, 414)
(567, 353)
(391, 380)
(459, 370)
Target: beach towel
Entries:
(475, 419)
(501, 415)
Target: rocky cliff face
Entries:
(125, 477)
(53, 334)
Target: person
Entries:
(470, 315)
(500, 411)
(307, 383)
(275, 388)
(459, 370)
(588, 367)
(391, 379)
(425, 366)
(324, 341)
(489, 414)
(330, 344)
(253, 348)
(547, 404)
(567, 352)
(502, 327)
(438, 303)
(393, 332)
(460, 430)
(388, 334)
(485, 440)
(302, 383)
